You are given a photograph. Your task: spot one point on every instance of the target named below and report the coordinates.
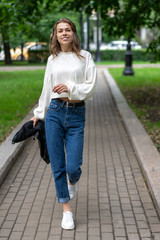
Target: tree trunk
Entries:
(6, 46)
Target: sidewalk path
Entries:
(113, 201)
(19, 68)
(23, 68)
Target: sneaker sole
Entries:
(69, 229)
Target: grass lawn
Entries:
(19, 92)
(142, 92)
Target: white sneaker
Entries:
(67, 221)
(73, 190)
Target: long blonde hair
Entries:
(54, 45)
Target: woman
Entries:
(70, 78)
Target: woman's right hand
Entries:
(35, 120)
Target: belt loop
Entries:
(62, 104)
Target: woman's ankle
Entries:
(66, 207)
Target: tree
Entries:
(42, 29)
(20, 16)
(124, 17)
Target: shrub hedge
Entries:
(37, 56)
(119, 55)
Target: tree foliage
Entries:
(124, 17)
(18, 16)
(119, 17)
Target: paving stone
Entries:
(92, 238)
(69, 234)
(133, 237)
(8, 224)
(155, 228)
(106, 228)
(16, 235)
(107, 236)
(5, 232)
(43, 227)
(30, 231)
(120, 238)
(131, 228)
(145, 233)
(41, 236)
(94, 231)
(156, 236)
(119, 232)
(18, 227)
(153, 220)
(11, 217)
(142, 224)
(81, 235)
(55, 231)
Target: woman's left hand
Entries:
(60, 88)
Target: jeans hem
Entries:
(63, 200)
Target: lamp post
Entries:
(128, 60)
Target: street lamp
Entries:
(128, 60)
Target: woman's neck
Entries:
(66, 48)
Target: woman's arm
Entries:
(88, 87)
(44, 100)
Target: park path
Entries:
(113, 201)
(24, 68)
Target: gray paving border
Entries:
(20, 68)
(26, 68)
(146, 152)
(9, 152)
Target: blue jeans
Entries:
(64, 128)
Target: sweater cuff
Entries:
(70, 85)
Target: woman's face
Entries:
(64, 34)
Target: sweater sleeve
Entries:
(44, 99)
(86, 89)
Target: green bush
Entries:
(38, 56)
(119, 55)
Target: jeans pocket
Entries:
(80, 111)
(54, 106)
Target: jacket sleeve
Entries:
(44, 99)
(86, 89)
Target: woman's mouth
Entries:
(65, 39)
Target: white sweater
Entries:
(79, 74)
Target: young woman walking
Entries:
(70, 79)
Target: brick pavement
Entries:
(113, 202)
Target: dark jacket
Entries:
(38, 132)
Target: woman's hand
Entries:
(60, 88)
(35, 120)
